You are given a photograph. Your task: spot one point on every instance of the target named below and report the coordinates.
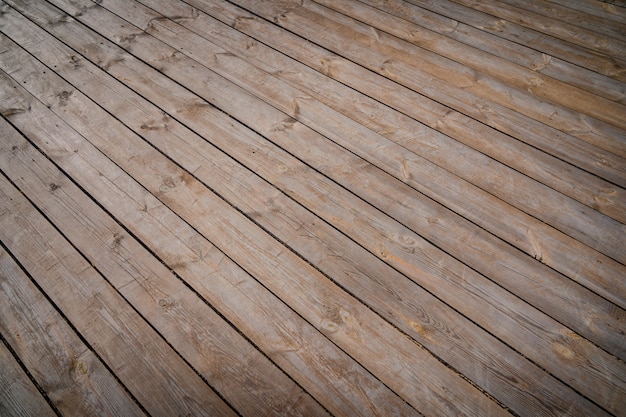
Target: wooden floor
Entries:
(311, 208)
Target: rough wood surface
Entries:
(297, 230)
(19, 397)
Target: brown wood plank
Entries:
(73, 377)
(158, 378)
(607, 10)
(209, 351)
(312, 83)
(520, 34)
(19, 397)
(474, 336)
(565, 31)
(190, 198)
(567, 15)
(340, 317)
(459, 87)
(218, 352)
(529, 58)
(534, 86)
(294, 148)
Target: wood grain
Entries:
(76, 381)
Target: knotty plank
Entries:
(346, 100)
(455, 85)
(474, 337)
(209, 349)
(500, 70)
(568, 15)
(417, 375)
(520, 34)
(568, 32)
(19, 397)
(158, 378)
(126, 59)
(529, 58)
(598, 242)
(295, 148)
(69, 372)
(218, 352)
(607, 10)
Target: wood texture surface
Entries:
(313, 207)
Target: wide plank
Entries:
(19, 397)
(76, 382)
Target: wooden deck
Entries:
(311, 208)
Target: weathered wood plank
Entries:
(565, 31)
(209, 350)
(529, 58)
(461, 88)
(244, 376)
(271, 131)
(19, 397)
(514, 32)
(158, 378)
(288, 218)
(570, 16)
(412, 371)
(607, 10)
(534, 86)
(174, 112)
(72, 376)
(316, 84)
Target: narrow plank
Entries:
(591, 228)
(158, 378)
(499, 70)
(455, 85)
(19, 397)
(69, 372)
(612, 11)
(435, 149)
(573, 17)
(565, 31)
(412, 372)
(129, 76)
(520, 34)
(607, 10)
(244, 376)
(304, 105)
(529, 58)
(290, 217)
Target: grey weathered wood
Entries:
(158, 379)
(285, 222)
(126, 76)
(568, 32)
(19, 397)
(209, 349)
(534, 87)
(341, 318)
(75, 380)
(356, 106)
(520, 34)
(520, 54)
(607, 10)
(605, 25)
